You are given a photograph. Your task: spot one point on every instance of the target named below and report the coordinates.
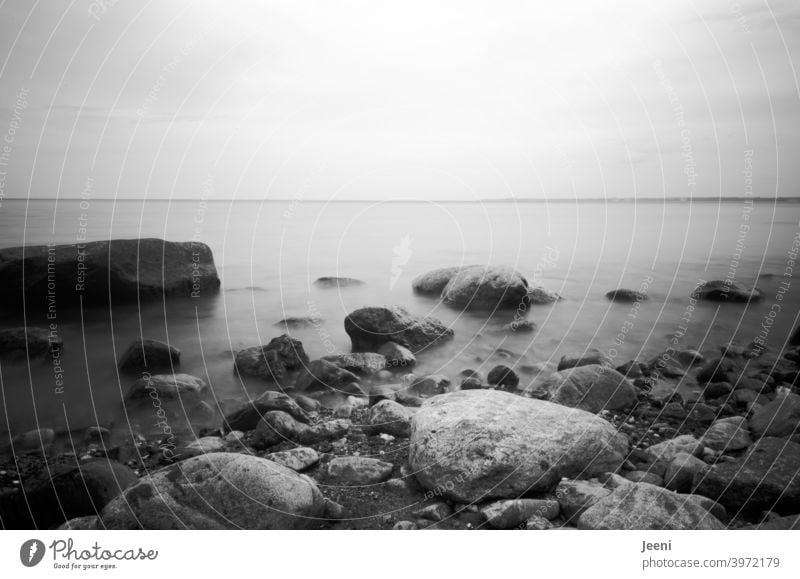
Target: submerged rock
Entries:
(479, 444)
(590, 356)
(722, 291)
(337, 282)
(325, 376)
(218, 491)
(249, 415)
(592, 388)
(371, 328)
(433, 282)
(363, 363)
(274, 361)
(149, 355)
(295, 322)
(626, 296)
(29, 341)
(119, 271)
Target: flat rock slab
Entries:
(474, 445)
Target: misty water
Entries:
(269, 253)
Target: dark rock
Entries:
(149, 355)
(486, 288)
(790, 523)
(432, 385)
(324, 376)
(781, 417)
(503, 376)
(591, 356)
(32, 342)
(681, 472)
(720, 370)
(370, 328)
(273, 361)
(652, 478)
(433, 282)
(472, 384)
(361, 363)
(702, 414)
(182, 388)
(249, 415)
(626, 296)
(121, 270)
(717, 390)
(337, 282)
(575, 496)
(722, 291)
(764, 478)
(728, 435)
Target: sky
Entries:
(407, 100)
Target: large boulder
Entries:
(55, 493)
(646, 507)
(487, 288)
(764, 478)
(121, 270)
(218, 491)
(781, 417)
(149, 355)
(433, 282)
(31, 342)
(479, 444)
(273, 361)
(371, 328)
(592, 388)
(725, 291)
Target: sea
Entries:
(269, 253)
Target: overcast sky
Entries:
(412, 99)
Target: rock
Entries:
(519, 326)
(435, 512)
(31, 342)
(575, 496)
(537, 295)
(652, 478)
(248, 416)
(103, 272)
(537, 523)
(753, 384)
(790, 523)
(405, 526)
(781, 417)
(357, 471)
(96, 435)
(301, 322)
(88, 523)
(432, 385)
(591, 356)
(513, 513)
(592, 388)
(334, 511)
(277, 427)
(482, 444)
(433, 282)
(626, 296)
(40, 439)
(681, 472)
(713, 507)
(55, 494)
(149, 355)
(503, 376)
(472, 384)
(764, 478)
(324, 376)
(297, 459)
(665, 452)
(716, 390)
(322, 431)
(728, 435)
(207, 444)
(273, 361)
(370, 328)
(337, 282)
(702, 413)
(218, 491)
(184, 388)
(397, 356)
(361, 363)
(486, 288)
(674, 411)
(306, 403)
(383, 392)
(722, 291)
(390, 417)
(645, 507)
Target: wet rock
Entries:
(486, 288)
(357, 471)
(481, 444)
(325, 376)
(431, 385)
(642, 506)
(514, 513)
(301, 322)
(337, 282)
(88, 523)
(716, 390)
(435, 512)
(249, 415)
(665, 452)
(361, 363)
(383, 392)
(149, 355)
(728, 435)
(652, 478)
(764, 478)
(208, 444)
(273, 361)
(503, 376)
(472, 384)
(390, 417)
(681, 472)
(592, 356)
(537, 523)
(626, 296)
(702, 413)
(790, 523)
(218, 491)
(370, 328)
(405, 526)
(31, 342)
(592, 388)
(713, 507)
(306, 403)
(720, 370)
(725, 291)
(433, 282)
(537, 295)
(175, 393)
(781, 417)
(575, 496)
(297, 459)
(397, 356)
(103, 272)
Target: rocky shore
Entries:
(686, 440)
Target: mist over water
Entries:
(269, 254)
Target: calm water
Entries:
(268, 255)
